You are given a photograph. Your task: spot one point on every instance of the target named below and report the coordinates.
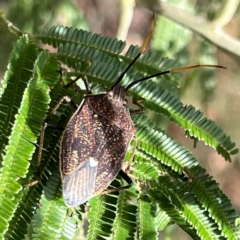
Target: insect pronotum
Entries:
(96, 138)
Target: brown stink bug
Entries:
(94, 145)
(96, 139)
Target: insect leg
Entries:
(81, 76)
(86, 83)
(132, 112)
(141, 108)
(65, 98)
(132, 155)
(45, 125)
(126, 178)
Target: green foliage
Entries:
(170, 186)
(51, 220)
(147, 221)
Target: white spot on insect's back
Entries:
(93, 162)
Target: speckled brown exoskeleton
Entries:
(94, 145)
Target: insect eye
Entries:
(110, 93)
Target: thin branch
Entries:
(198, 24)
(227, 13)
(5, 24)
(126, 14)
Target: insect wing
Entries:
(78, 168)
(109, 150)
(113, 129)
(79, 185)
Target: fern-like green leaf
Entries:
(144, 169)
(52, 220)
(18, 226)
(101, 215)
(147, 225)
(124, 226)
(207, 190)
(157, 143)
(158, 148)
(15, 81)
(65, 35)
(183, 209)
(79, 49)
(161, 101)
(24, 134)
(162, 220)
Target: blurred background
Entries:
(216, 92)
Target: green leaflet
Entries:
(110, 216)
(143, 168)
(19, 224)
(102, 214)
(178, 206)
(162, 220)
(205, 189)
(15, 80)
(83, 51)
(179, 203)
(124, 226)
(161, 101)
(147, 225)
(62, 35)
(158, 144)
(25, 132)
(52, 220)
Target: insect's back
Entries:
(94, 146)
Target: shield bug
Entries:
(96, 138)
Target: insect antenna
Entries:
(173, 71)
(142, 50)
